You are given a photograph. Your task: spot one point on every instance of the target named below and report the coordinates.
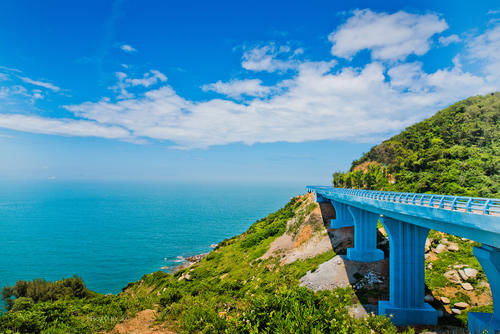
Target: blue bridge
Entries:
(407, 219)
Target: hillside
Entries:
(455, 152)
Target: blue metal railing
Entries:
(487, 206)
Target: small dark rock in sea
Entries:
(189, 261)
(196, 258)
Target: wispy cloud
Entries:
(270, 58)
(447, 40)
(484, 50)
(43, 84)
(128, 48)
(150, 78)
(64, 127)
(237, 88)
(10, 69)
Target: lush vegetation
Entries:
(456, 152)
(64, 306)
(231, 290)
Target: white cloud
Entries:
(352, 104)
(128, 48)
(484, 50)
(320, 101)
(265, 58)
(237, 88)
(43, 84)
(448, 39)
(37, 94)
(64, 127)
(387, 36)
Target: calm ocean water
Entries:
(112, 233)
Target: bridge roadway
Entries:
(407, 219)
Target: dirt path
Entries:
(142, 323)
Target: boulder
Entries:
(429, 298)
(461, 305)
(467, 286)
(428, 244)
(455, 311)
(470, 272)
(440, 248)
(452, 276)
(453, 247)
(462, 274)
(445, 300)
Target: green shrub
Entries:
(169, 296)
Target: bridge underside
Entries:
(407, 236)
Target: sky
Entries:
(228, 91)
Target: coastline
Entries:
(186, 262)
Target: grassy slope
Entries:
(232, 289)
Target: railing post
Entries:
(407, 274)
(365, 236)
(487, 207)
(489, 258)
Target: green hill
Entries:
(456, 152)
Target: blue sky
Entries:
(261, 91)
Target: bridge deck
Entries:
(473, 218)
(478, 205)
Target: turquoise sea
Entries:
(112, 233)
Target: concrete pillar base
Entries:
(481, 322)
(364, 255)
(425, 315)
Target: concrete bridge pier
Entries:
(343, 217)
(407, 274)
(365, 236)
(489, 258)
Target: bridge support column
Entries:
(489, 258)
(343, 217)
(365, 236)
(407, 273)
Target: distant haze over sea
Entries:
(112, 233)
